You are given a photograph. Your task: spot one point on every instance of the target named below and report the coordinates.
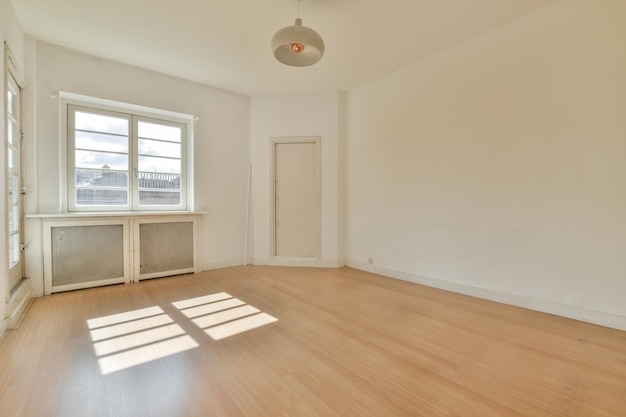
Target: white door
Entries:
(14, 183)
(296, 198)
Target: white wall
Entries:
(496, 167)
(221, 141)
(298, 115)
(11, 33)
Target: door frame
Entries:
(293, 260)
(12, 74)
(18, 298)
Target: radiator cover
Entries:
(103, 251)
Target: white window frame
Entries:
(67, 180)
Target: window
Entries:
(125, 161)
(13, 161)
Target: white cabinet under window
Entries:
(83, 253)
(164, 247)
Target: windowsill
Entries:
(90, 214)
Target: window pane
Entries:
(104, 160)
(158, 131)
(159, 181)
(10, 133)
(159, 198)
(101, 142)
(14, 216)
(99, 178)
(14, 250)
(100, 123)
(158, 148)
(14, 166)
(101, 197)
(14, 190)
(154, 164)
(11, 102)
(14, 137)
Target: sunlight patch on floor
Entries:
(239, 326)
(220, 315)
(212, 308)
(145, 354)
(224, 316)
(123, 317)
(136, 337)
(133, 340)
(206, 299)
(129, 327)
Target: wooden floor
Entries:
(345, 343)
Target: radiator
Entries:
(164, 247)
(88, 253)
(83, 254)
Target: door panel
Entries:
(297, 199)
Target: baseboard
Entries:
(19, 303)
(273, 262)
(578, 313)
(298, 263)
(360, 265)
(220, 265)
(19, 315)
(568, 311)
(3, 329)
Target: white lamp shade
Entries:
(284, 40)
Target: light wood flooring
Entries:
(345, 343)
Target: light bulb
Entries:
(297, 48)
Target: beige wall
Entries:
(496, 167)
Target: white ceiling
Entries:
(226, 43)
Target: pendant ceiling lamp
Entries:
(297, 45)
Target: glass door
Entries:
(14, 187)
